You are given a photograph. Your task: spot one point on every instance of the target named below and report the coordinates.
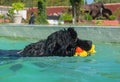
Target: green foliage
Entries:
(1, 16)
(112, 17)
(10, 14)
(98, 22)
(107, 1)
(11, 11)
(31, 3)
(18, 6)
(66, 16)
(82, 11)
(88, 17)
(75, 2)
(57, 2)
(100, 18)
(42, 17)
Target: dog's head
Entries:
(84, 48)
(84, 44)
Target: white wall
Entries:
(55, 22)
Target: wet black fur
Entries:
(59, 43)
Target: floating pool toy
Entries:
(92, 50)
(80, 52)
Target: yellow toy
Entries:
(92, 50)
(80, 52)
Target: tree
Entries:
(57, 2)
(41, 18)
(107, 1)
(76, 5)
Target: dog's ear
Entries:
(72, 32)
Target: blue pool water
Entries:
(103, 66)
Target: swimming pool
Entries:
(103, 66)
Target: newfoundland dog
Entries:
(60, 43)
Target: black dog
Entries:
(60, 43)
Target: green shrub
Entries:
(112, 17)
(18, 6)
(11, 11)
(99, 22)
(66, 16)
(88, 17)
(100, 18)
(1, 16)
